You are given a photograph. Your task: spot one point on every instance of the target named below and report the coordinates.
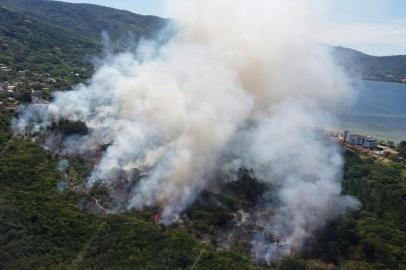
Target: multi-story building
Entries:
(359, 140)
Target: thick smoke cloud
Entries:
(241, 83)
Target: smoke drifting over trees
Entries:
(240, 84)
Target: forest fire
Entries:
(161, 123)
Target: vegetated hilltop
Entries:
(36, 48)
(56, 41)
(368, 67)
(87, 19)
(42, 227)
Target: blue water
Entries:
(379, 110)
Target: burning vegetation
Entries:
(176, 121)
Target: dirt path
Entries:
(366, 153)
(75, 265)
(104, 210)
(197, 260)
(5, 148)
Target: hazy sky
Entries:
(154, 7)
(376, 27)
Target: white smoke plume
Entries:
(240, 79)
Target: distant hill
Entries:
(50, 44)
(368, 67)
(40, 47)
(87, 19)
(42, 56)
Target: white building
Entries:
(359, 140)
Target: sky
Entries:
(146, 7)
(376, 27)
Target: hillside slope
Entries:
(47, 45)
(368, 67)
(39, 48)
(88, 19)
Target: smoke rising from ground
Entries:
(241, 83)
